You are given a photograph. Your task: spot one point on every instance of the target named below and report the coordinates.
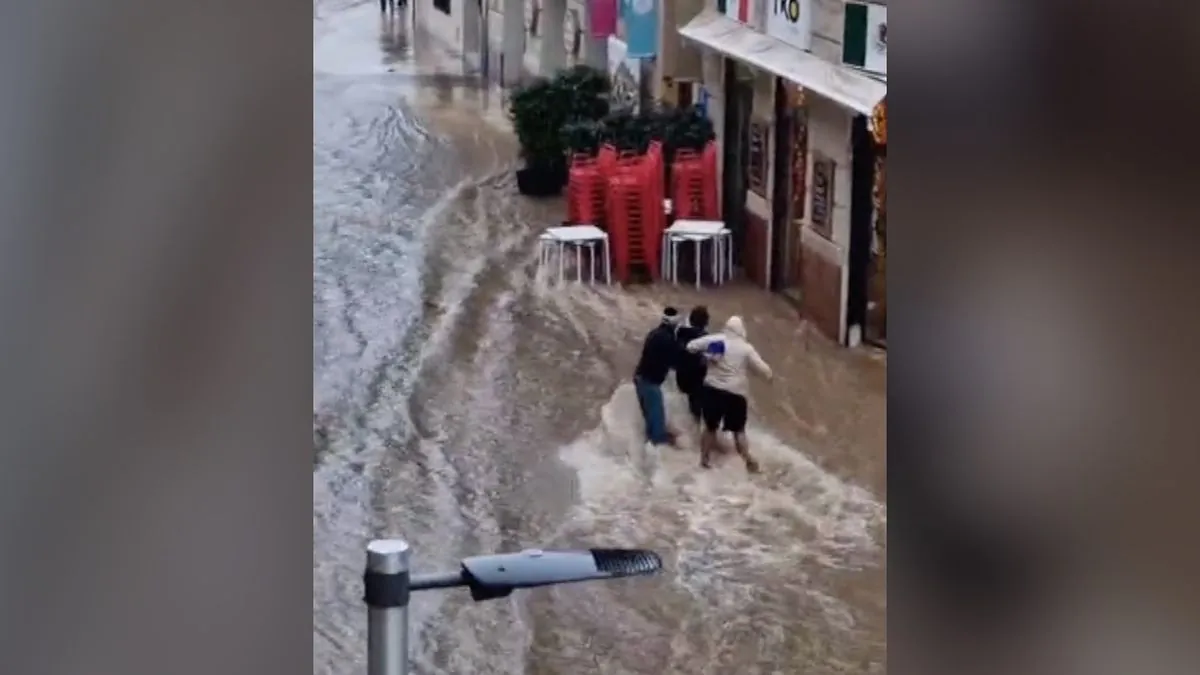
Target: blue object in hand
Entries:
(716, 348)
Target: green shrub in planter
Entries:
(536, 116)
(585, 92)
(628, 131)
(684, 129)
(542, 108)
(676, 128)
(583, 137)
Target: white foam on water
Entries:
(725, 529)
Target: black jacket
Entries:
(659, 355)
(690, 368)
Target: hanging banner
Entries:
(602, 18)
(864, 37)
(624, 75)
(641, 28)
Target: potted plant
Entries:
(540, 110)
(536, 122)
(585, 91)
(583, 137)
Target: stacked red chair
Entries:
(689, 184)
(694, 184)
(585, 192)
(655, 218)
(712, 192)
(607, 159)
(626, 195)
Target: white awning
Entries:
(846, 86)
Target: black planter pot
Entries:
(541, 181)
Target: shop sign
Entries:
(791, 21)
(756, 167)
(864, 37)
(821, 214)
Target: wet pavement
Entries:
(463, 401)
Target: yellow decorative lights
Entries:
(879, 122)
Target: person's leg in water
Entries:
(654, 411)
(637, 388)
(735, 422)
(696, 409)
(711, 412)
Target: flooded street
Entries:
(465, 401)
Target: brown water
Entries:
(465, 400)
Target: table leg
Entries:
(719, 260)
(716, 255)
(579, 263)
(674, 261)
(666, 258)
(562, 254)
(592, 249)
(726, 260)
(607, 262)
(698, 249)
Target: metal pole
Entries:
(386, 592)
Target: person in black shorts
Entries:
(690, 371)
(730, 357)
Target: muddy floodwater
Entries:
(465, 400)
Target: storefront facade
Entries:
(794, 107)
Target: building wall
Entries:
(533, 41)
(758, 207)
(827, 19)
(824, 261)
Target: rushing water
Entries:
(465, 400)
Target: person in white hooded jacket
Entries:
(726, 386)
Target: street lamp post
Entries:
(388, 583)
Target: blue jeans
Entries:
(650, 398)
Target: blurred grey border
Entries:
(1043, 382)
(155, 338)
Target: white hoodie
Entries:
(730, 371)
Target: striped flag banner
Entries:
(864, 37)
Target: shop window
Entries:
(442, 5)
(756, 167)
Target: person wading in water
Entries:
(726, 385)
(691, 368)
(659, 355)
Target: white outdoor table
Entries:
(578, 237)
(698, 232)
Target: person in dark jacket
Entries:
(660, 354)
(691, 368)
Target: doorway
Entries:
(739, 100)
(862, 222)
